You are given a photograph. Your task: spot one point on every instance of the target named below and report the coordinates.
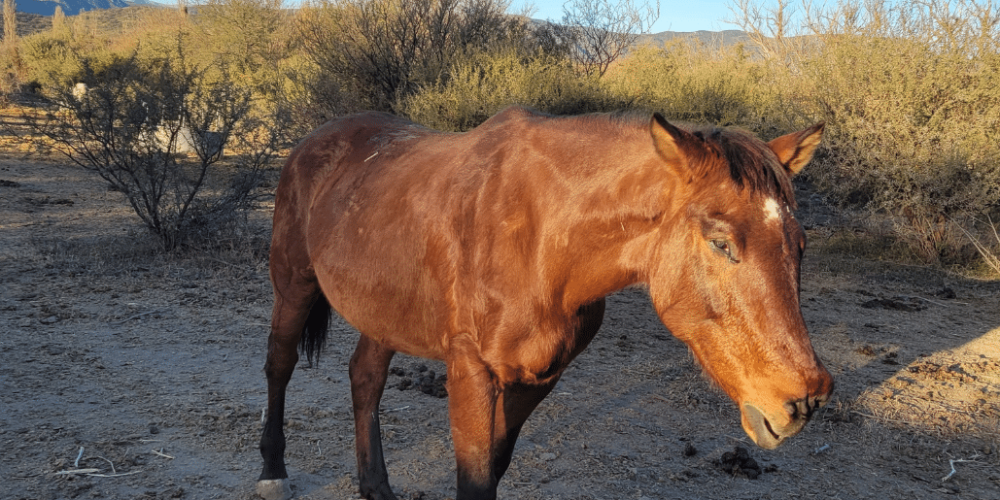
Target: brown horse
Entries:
(493, 250)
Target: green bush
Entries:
(480, 85)
(689, 81)
(910, 92)
(377, 53)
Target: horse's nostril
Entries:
(801, 409)
(820, 401)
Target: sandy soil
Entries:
(146, 371)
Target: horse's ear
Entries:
(668, 140)
(796, 149)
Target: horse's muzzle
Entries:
(768, 433)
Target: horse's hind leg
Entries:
(294, 301)
(369, 370)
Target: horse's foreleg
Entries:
(287, 321)
(368, 370)
(518, 401)
(472, 397)
(513, 408)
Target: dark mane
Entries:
(752, 164)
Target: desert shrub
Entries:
(916, 128)
(691, 81)
(134, 124)
(480, 85)
(377, 53)
(53, 56)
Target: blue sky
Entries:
(675, 15)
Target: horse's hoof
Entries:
(274, 489)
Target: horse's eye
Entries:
(724, 248)
(721, 246)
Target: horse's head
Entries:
(726, 277)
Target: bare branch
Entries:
(603, 30)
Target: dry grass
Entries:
(988, 251)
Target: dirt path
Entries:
(152, 366)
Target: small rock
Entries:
(548, 457)
(50, 320)
(24, 323)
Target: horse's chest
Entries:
(531, 357)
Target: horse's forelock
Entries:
(752, 164)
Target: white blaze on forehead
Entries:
(772, 210)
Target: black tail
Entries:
(314, 334)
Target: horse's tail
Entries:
(314, 333)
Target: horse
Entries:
(493, 250)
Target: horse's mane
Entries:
(752, 165)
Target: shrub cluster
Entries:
(156, 131)
(915, 128)
(910, 93)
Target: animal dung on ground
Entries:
(739, 463)
(421, 379)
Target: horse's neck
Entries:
(619, 223)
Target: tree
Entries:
(243, 30)
(769, 27)
(603, 30)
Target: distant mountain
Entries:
(69, 7)
(723, 38)
(710, 38)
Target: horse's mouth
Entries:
(767, 423)
(763, 432)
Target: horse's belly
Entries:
(383, 251)
(382, 289)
